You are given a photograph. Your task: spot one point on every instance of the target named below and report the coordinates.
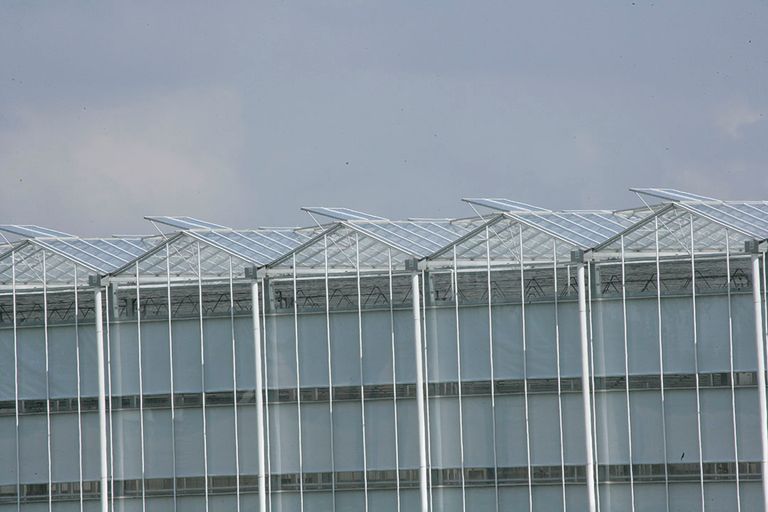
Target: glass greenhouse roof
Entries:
(58, 259)
(183, 222)
(748, 217)
(504, 205)
(32, 231)
(581, 229)
(341, 213)
(368, 240)
(212, 245)
(678, 223)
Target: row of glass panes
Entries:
(384, 391)
(386, 479)
(640, 280)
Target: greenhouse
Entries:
(516, 359)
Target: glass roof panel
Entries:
(419, 238)
(341, 213)
(501, 240)
(346, 246)
(258, 246)
(670, 194)
(675, 223)
(585, 229)
(504, 205)
(32, 263)
(184, 222)
(749, 217)
(32, 231)
(101, 254)
(735, 215)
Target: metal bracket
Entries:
(412, 265)
(755, 246)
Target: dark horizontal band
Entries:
(389, 480)
(501, 387)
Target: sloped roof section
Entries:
(361, 239)
(32, 231)
(747, 217)
(183, 222)
(581, 228)
(101, 255)
(340, 213)
(503, 205)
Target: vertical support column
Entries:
(394, 375)
(262, 477)
(585, 383)
(234, 382)
(171, 385)
(759, 345)
(455, 278)
(418, 347)
(103, 490)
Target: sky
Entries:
(241, 113)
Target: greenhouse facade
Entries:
(517, 359)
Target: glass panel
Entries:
(7, 366)
(155, 364)
(380, 434)
(617, 497)
(217, 334)
(478, 432)
(64, 448)
(189, 442)
(313, 350)
(507, 342)
(126, 444)
(125, 359)
(284, 438)
(573, 429)
(682, 440)
(377, 347)
(611, 425)
(441, 344)
(444, 432)
(511, 442)
(186, 356)
(348, 436)
(544, 429)
(158, 445)
(316, 437)
(643, 336)
(62, 353)
(684, 496)
(221, 440)
(8, 450)
(31, 350)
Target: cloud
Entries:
(172, 152)
(734, 118)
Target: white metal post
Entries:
(103, 490)
(759, 345)
(585, 385)
(259, 396)
(424, 501)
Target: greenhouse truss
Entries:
(517, 359)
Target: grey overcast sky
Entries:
(240, 113)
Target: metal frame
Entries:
(359, 244)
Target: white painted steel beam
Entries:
(585, 387)
(103, 487)
(418, 347)
(760, 346)
(262, 475)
